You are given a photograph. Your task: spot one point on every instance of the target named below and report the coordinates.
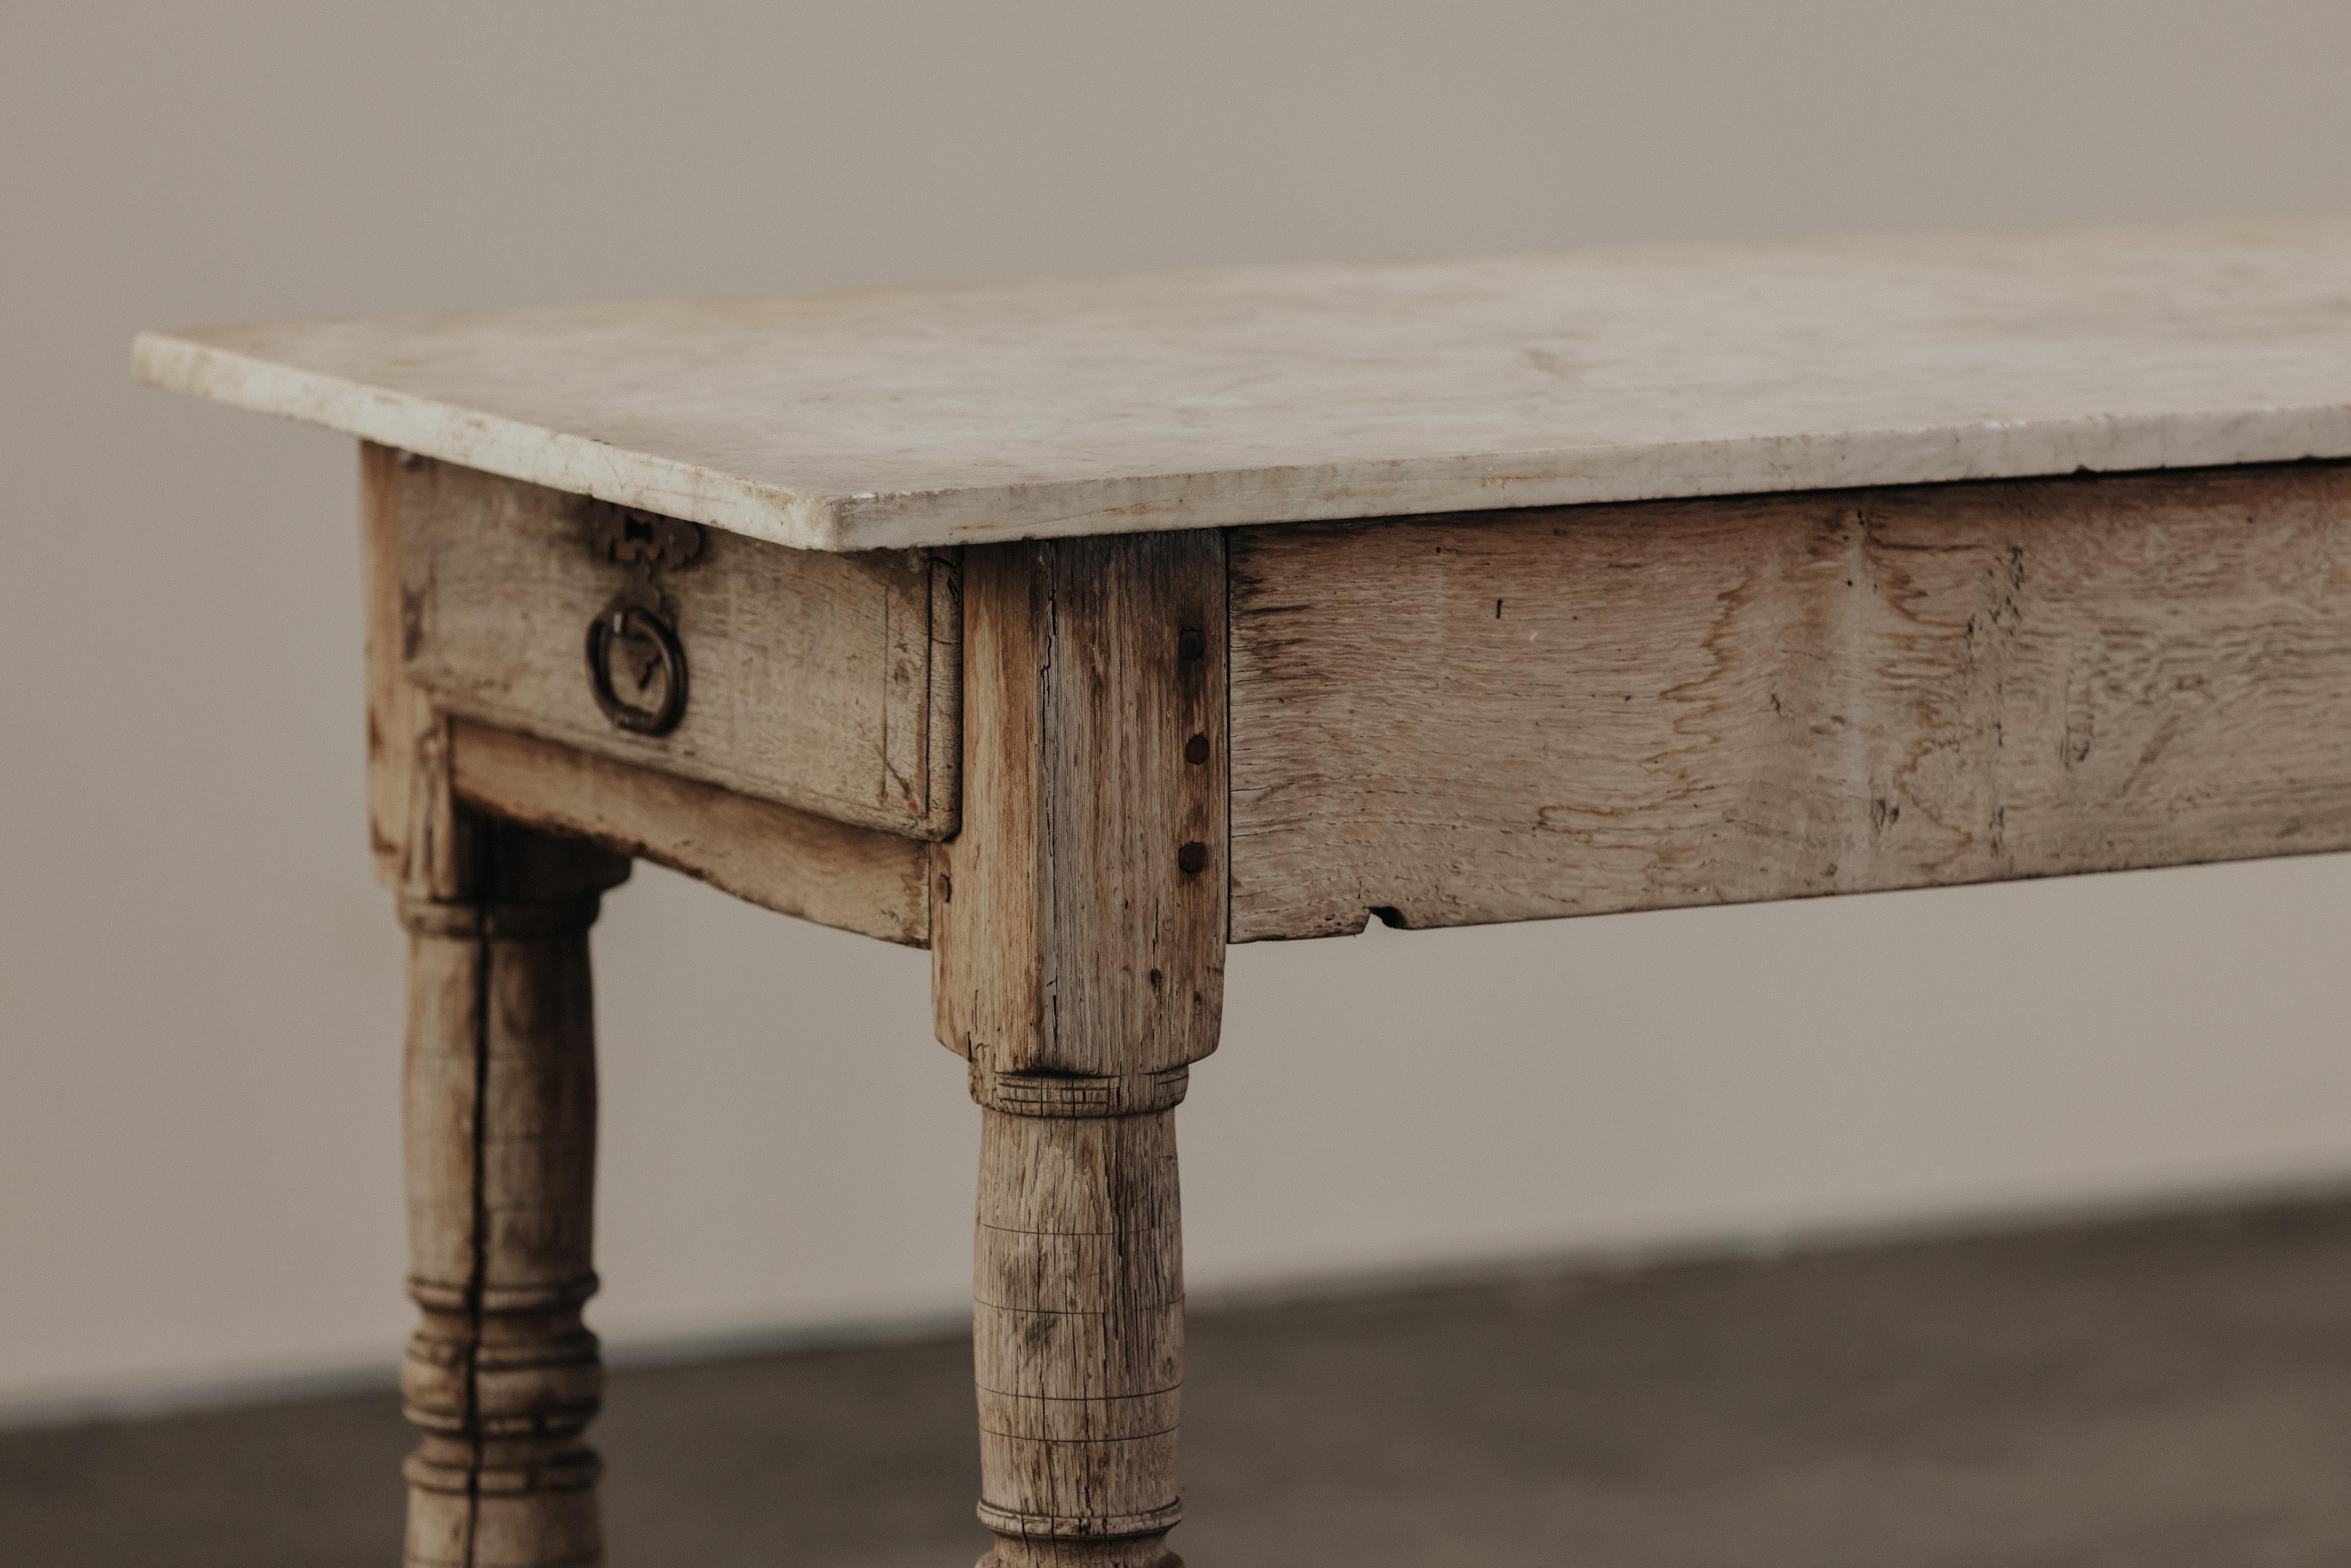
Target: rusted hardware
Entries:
(636, 663)
(644, 540)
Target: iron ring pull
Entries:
(633, 621)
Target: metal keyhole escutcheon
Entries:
(637, 665)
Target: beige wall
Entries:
(198, 983)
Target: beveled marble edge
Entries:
(1241, 497)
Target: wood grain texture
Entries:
(1078, 927)
(1446, 721)
(812, 676)
(850, 878)
(1214, 398)
(502, 1377)
(401, 724)
(1078, 1333)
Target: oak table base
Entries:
(2027, 677)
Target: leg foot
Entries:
(1133, 1552)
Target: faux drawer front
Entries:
(827, 681)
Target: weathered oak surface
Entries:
(1078, 934)
(942, 415)
(1078, 1338)
(854, 879)
(1457, 720)
(502, 1377)
(1079, 923)
(814, 679)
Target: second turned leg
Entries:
(501, 1376)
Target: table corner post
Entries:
(1079, 932)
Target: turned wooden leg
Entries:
(500, 1077)
(1077, 1326)
(1078, 934)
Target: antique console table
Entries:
(1075, 630)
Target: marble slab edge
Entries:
(1470, 482)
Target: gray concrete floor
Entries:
(2166, 1392)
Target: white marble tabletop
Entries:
(944, 415)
